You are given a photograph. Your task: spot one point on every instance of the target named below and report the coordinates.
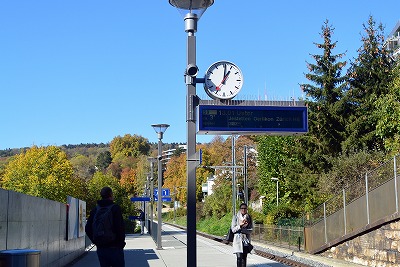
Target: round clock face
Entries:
(223, 80)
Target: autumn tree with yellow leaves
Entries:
(43, 172)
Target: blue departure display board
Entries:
(279, 120)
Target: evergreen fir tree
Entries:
(370, 76)
(324, 95)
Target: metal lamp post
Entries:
(151, 160)
(193, 10)
(160, 129)
(245, 185)
(277, 189)
(233, 175)
(246, 149)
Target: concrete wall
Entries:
(28, 222)
(379, 247)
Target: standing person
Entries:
(105, 228)
(141, 219)
(242, 227)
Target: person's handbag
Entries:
(250, 247)
(229, 236)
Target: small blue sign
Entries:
(164, 192)
(132, 218)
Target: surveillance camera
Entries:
(159, 157)
(192, 70)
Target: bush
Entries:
(283, 213)
(215, 226)
(257, 217)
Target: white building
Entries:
(392, 43)
(208, 186)
(167, 154)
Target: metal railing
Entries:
(371, 198)
(291, 237)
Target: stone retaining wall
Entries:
(379, 247)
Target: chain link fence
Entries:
(291, 237)
(368, 200)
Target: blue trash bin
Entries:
(20, 258)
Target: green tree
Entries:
(388, 114)
(219, 202)
(142, 170)
(324, 96)
(370, 77)
(43, 172)
(129, 146)
(99, 181)
(175, 176)
(83, 167)
(273, 154)
(103, 160)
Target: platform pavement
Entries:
(141, 251)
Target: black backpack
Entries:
(103, 226)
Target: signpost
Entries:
(230, 119)
(165, 195)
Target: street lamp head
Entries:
(160, 129)
(275, 179)
(197, 7)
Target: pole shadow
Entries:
(139, 257)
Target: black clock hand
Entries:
(223, 81)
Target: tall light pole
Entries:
(245, 185)
(151, 160)
(233, 175)
(277, 189)
(246, 149)
(160, 129)
(193, 10)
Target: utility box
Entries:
(20, 258)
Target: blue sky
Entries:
(87, 71)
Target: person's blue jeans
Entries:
(111, 257)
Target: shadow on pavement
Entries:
(139, 257)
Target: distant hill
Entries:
(81, 149)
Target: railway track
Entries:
(256, 250)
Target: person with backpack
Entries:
(105, 228)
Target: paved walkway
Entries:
(141, 251)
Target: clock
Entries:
(223, 80)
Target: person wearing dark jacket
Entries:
(141, 219)
(111, 254)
